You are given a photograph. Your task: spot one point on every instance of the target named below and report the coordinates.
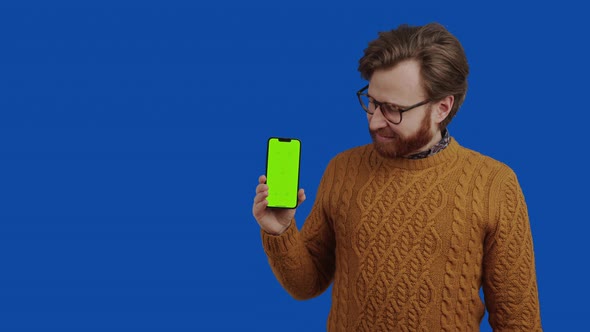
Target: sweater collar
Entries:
(443, 143)
(446, 156)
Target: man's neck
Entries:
(435, 139)
(439, 142)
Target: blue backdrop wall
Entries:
(132, 135)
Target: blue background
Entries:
(132, 135)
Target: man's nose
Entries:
(377, 120)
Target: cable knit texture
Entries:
(408, 244)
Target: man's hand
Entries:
(272, 220)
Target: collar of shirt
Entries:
(443, 143)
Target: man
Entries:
(410, 227)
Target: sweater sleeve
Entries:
(303, 261)
(509, 277)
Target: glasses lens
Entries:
(366, 103)
(391, 113)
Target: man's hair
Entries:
(443, 65)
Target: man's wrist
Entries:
(280, 232)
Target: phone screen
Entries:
(282, 171)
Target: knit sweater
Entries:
(408, 244)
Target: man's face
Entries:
(418, 130)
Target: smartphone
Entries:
(283, 157)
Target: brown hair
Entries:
(443, 65)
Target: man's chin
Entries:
(384, 139)
(386, 150)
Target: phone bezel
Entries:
(285, 139)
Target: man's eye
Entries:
(390, 108)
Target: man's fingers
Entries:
(300, 196)
(260, 197)
(261, 188)
(259, 208)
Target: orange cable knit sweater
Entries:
(408, 244)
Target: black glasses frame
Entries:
(388, 106)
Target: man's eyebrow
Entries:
(386, 102)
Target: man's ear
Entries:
(442, 108)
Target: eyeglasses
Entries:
(391, 112)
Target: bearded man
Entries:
(411, 227)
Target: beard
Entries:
(403, 146)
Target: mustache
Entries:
(384, 133)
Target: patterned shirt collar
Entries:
(443, 143)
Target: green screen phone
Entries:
(282, 171)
